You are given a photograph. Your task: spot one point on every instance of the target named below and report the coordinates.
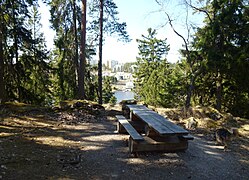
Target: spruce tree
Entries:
(150, 63)
(223, 42)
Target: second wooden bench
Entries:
(134, 138)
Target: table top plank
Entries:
(175, 128)
(159, 123)
(133, 107)
(156, 125)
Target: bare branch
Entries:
(158, 2)
(178, 34)
(187, 25)
(199, 9)
(172, 27)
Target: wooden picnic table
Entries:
(159, 133)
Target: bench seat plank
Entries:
(129, 128)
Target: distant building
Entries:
(113, 63)
(123, 76)
(129, 85)
(117, 68)
(108, 64)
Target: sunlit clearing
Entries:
(56, 141)
(246, 127)
(7, 127)
(214, 153)
(28, 121)
(41, 124)
(134, 161)
(96, 142)
(245, 147)
(244, 161)
(3, 134)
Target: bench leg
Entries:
(120, 128)
(130, 144)
(133, 117)
(133, 146)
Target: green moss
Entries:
(19, 107)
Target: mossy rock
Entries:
(208, 123)
(75, 103)
(88, 106)
(19, 107)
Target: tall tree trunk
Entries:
(189, 92)
(62, 76)
(76, 56)
(219, 92)
(2, 87)
(82, 66)
(100, 52)
(17, 65)
(35, 51)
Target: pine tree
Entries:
(150, 63)
(39, 68)
(223, 43)
(104, 14)
(66, 21)
(21, 53)
(2, 84)
(82, 68)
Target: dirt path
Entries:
(38, 147)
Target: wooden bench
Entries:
(122, 121)
(135, 138)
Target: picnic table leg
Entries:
(134, 117)
(149, 132)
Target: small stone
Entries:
(3, 166)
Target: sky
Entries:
(139, 15)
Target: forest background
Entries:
(212, 70)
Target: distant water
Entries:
(124, 95)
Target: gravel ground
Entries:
(66, 146)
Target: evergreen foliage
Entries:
(65, 59)
(108, 95)
(151, 67)
(223, 43)
(129, 67)
(24, 58)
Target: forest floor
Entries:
(39, 143)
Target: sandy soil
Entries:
(76, 145)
